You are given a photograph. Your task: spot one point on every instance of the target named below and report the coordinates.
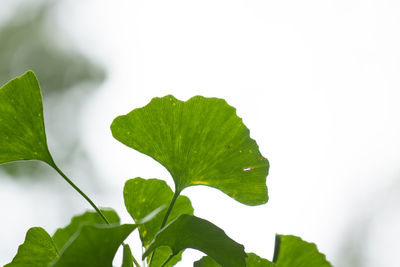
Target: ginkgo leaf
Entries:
(62, 235)
(93, 246)
(22, 133)
(37, 250)
(143, 196)
(201, 142)
(188, 231)
(292, 251)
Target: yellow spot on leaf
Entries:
(144, 233)
(200, 183)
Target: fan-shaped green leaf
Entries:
(188, 231)
(38, 250)
(201, 142)
(292, 251)
(22, 133)
(62, 235)
(143, 196)
(139, 196)
(252, 260)
(93, 246)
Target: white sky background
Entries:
(316, 82)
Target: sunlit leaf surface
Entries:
(201, 142)
(38, 250)
(188, 231)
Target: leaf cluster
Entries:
(200, 142)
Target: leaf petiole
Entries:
(55, 167)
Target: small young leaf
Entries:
(22, 133)
(93, 246)
(252, 260)
(143, 196)
(127, 260)
(292, 251)
(188, 231)
(201, 142)
(62, 235)
(37, 250)
(139, 196)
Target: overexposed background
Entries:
(316, 82)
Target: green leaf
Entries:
(38, 250)
(62, 235)
(127, 260)
(143, 196)
(201, 142)
(188, 231)
(252, 260)
(93, 246)
(139, 200)
(22, 133)
(292, 251)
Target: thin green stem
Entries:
(171, 205)
(52, 164)
(277, 248)
(135, 262)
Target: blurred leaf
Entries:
(252, 260)
(139, 195)
(188, 231)
(127, 260)
(38, 250)
(22, 133)
(201, 142)
(32, 40)
(62, 235)
(29, 43)
(292, 251)
(94, 246)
